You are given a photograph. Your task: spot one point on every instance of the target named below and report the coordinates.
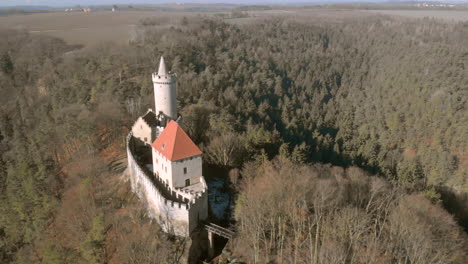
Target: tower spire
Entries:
(162, 67)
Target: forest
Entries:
(340, 138)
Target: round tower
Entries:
(165, 91)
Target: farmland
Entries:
(86, 28)
(446, 15)
(120, 27)
(106, 26)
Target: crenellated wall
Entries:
(176, 212)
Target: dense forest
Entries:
(335, 215)
(273, 101)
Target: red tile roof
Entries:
(175, 144)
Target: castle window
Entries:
(187, 182)
(185, 170)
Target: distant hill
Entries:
(26, 7)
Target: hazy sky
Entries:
(110, 2)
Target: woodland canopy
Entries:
(384, 95)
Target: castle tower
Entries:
(165, 91)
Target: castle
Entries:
(164, 165)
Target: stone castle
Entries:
(165, 166)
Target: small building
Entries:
(176, 159)
(144, 128)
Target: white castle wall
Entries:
(174, 217)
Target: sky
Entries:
(61, 3)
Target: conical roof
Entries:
(175, 144)
(162, 67)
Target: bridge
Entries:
(218, 230)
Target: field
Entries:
(85, 28)
(453, 16)
(119, 27)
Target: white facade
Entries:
(143, 131)
(146, 127)
(165, 91)
(162, 167)
(176, 173)
(186, 172)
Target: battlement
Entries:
(164, 79)
(189, 197)
(174, 209)
(143, 177)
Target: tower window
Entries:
(187, 182)
(185, 170)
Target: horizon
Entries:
(69, 3)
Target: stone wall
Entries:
(175, 211)
(198, 211)
(172, 216)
